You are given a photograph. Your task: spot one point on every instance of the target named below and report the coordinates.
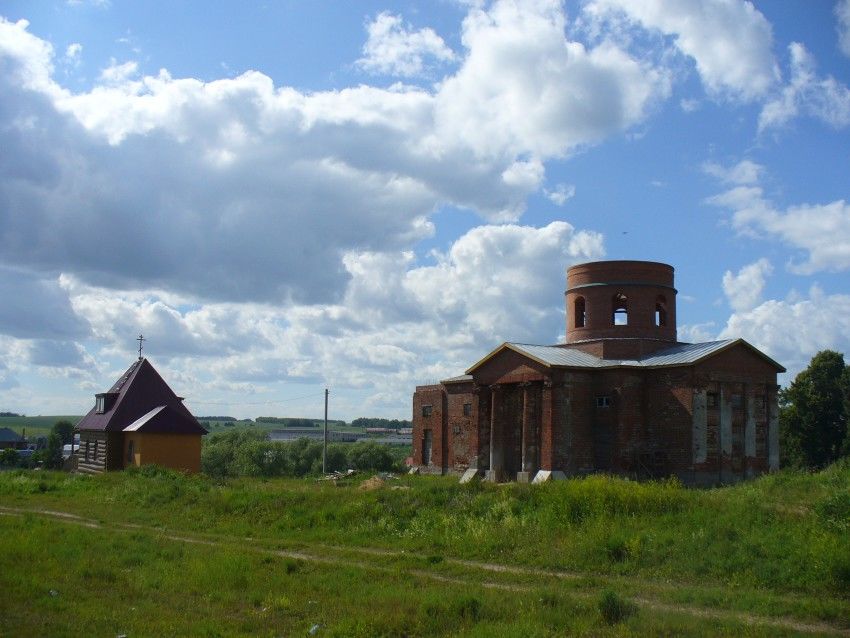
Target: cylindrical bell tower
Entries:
(621, 299)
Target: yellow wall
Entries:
(175, 451)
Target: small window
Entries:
(580, 314)
(467, 409)
(711, 400)
(426, 410)
(660, 311)
(456, 429)
(603, 402)
(99, 404)
(131, 451)
(620, 310)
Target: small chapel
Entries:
(622, 396)
(139, 421)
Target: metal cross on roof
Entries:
(140, 338)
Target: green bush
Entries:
(614, 608)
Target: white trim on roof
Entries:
(142, 420)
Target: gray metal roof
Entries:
(679, 354)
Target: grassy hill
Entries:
(152, 552)
(34, 425)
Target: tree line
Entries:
(394, 424)
(250, 453)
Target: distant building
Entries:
(621, 396)
(11, 439)
(139, 421)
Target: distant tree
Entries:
(53, 453)
(814, 412)
(65, 430)
(368, 455)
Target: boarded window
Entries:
(467, 409)
(427, 444)
(426, 410)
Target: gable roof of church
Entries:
(680, 354)
(138, 392)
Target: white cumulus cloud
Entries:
(793, 330)
(393, 48)
(730, 41)
(807, 94)
(744, 289)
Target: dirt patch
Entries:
(374, 483)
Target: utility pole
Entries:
(325, 446)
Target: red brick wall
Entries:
(461, 430)
(610, 278)
(435, 396)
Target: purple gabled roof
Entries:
(164, 419)
(138, 391)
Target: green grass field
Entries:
(155, 553)
(34, 426)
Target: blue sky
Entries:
(368, 196)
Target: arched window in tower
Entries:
(620, 311)
(579, 313)
(660, 311)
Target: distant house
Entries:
(11, 439)
(139, 421)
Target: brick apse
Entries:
(621, 396)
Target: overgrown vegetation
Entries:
(250, 453)
(776, 547)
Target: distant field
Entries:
(34, 425)
(422, 556)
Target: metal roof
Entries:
(679, 354)
(459, 379)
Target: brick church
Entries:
(621, 396)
